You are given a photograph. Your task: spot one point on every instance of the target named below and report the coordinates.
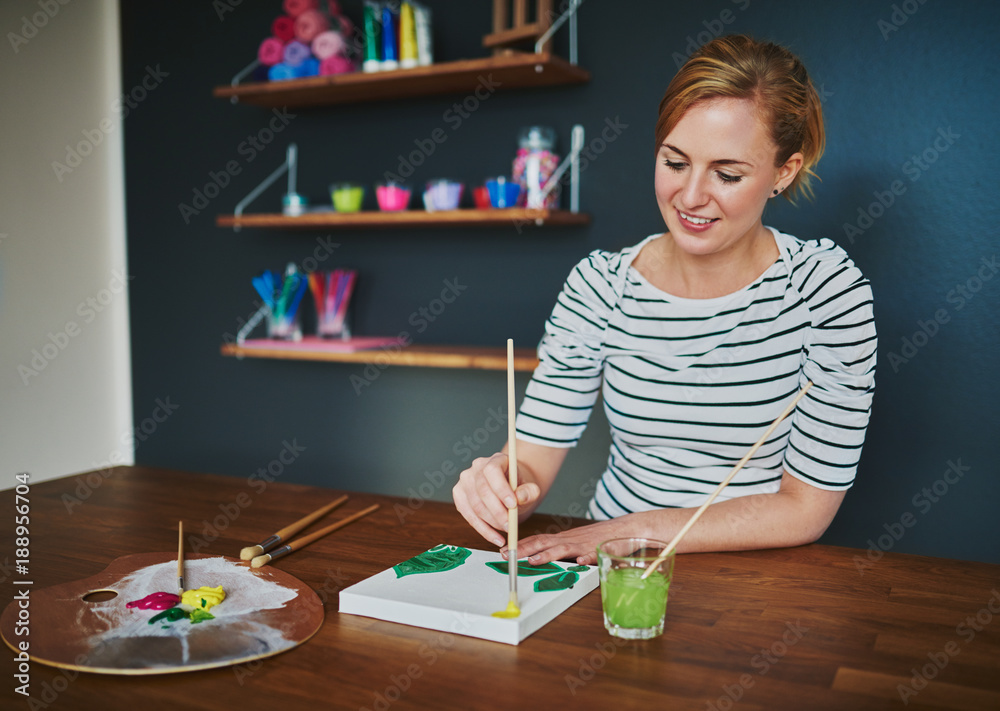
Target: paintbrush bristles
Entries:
(250, 552)
(260, 561)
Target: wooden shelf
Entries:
(489, 74)
(474, 357)
(372, 219)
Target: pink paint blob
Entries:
(156, 601)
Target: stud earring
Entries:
(776, 191)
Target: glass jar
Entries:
(534, 164)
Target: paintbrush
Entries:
(512, 608)
(725, 482)
(291, 529)
(306, 540)
(180, 557)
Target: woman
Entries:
(699, 337)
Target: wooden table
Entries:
(798, 628)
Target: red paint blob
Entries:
(156, 601)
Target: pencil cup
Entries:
(332, 291)
(634, 607)
(284, 327)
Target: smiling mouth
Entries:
(697, 220)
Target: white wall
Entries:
(63, 308)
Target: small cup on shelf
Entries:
(442, 194)
(503, 192)
(392, 196)
(481, 198)
(347, 197)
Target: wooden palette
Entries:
(266, 612)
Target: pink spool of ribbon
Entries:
(297, 7)
(271, 52)
(309, 25)
(283, 28)
(328, 44)
(337, 64)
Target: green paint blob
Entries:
(436, 560)
(171, 615)
(579, 568)
(525, 569)
(200, 616)
(557, 582)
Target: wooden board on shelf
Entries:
(516, 218)
(512, 71)
(425, 356)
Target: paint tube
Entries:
(425, 44)
(373, 36)
(390, 46)
(407, 37)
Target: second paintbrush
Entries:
(306, 540)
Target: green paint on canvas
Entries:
(525, 569)
(557, 582)
(436, 560)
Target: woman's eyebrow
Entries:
(720, 161)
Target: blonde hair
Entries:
(740, 67)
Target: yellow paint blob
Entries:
(204, 597)
(512, 611)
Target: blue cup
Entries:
(503, 192)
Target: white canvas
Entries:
(462, 600)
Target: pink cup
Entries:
(392, 197)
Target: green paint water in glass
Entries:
(631, 602)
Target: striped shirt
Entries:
(690, 384)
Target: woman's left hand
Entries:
(577, 543)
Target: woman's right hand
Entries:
(483, 496)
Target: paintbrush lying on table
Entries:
(266, 551)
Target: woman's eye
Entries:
(727, 178)
(673, 165)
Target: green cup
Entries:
(347, 197)
(634, 607)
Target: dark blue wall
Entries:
(910, 98)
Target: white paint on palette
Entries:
(462, 600)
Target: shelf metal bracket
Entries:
(241, 75)
(290, 166)
(570, 15)
(571, 162)
(249, 326)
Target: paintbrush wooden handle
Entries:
(725, 482)
(293, 528)
(306, 540)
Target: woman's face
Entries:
(714, 174)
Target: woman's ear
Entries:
(791, 168)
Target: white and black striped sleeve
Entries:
(565, 385)
(828, 426)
